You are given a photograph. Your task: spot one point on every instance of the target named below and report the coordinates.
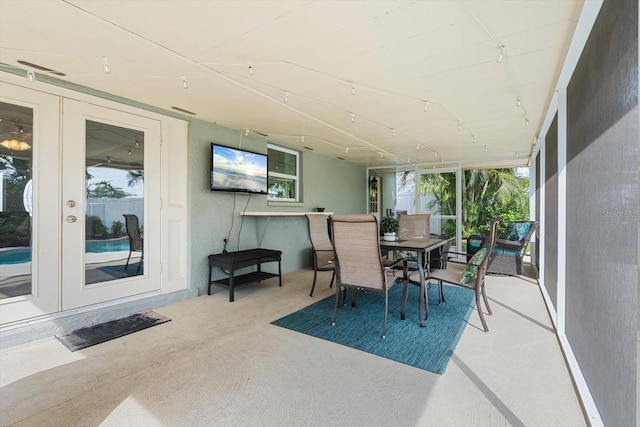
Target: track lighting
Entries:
(286, 97)
(246, 132)
(129, 152)
(105, 65)
(518, 102)
(459, 126)
(346, 150)
(474, 139)
(517, 155)
(503, 52)
(381, 155)
(302, 139)
(250, 70)
(109, 160)
(426, 106)
(31, 75)
(184, 82)
(137, 144)
(526, 121)
(353, 117)
(353, 89)
(393, 133)
(485, 149)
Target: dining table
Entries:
(423, 247)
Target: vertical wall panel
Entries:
(602, 211)
(536, 246)
(550, 240)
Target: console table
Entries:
(232, 261)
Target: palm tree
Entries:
(134, 177)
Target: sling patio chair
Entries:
(472, 276)
(136, 243)
(323, 254)
(356, 241)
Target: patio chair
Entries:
(509, 248)
(472, 276)
(356, 242)
(135, 239)
(323, 254)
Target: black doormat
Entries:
(102, 332)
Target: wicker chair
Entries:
(356, 242)
(509, 248)
(472, 277)
(323, 254)
(136, 244)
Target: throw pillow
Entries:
(471, 270)
(517, 230)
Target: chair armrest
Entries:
(513, 244)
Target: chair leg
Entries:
(127, 264)
(335, 309)
(140, 263)
(386, 305)
(333, 277)
(479, 308)
(315, 273)
(441, 291)
(486, 300)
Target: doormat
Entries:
(102, 332)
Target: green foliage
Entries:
(15, 229)
(94, 227)
(117, 229)
(389, 224)
(105, 189)
(487, 193)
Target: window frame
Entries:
(295, 178)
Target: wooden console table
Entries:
(232, 261)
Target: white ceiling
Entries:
(397, 55)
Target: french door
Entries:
(69, 172)
(110, 168)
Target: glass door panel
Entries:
(115, 202)
(16, 204)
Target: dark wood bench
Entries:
(229, 262)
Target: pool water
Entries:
(23, 254)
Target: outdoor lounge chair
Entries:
(135, 238)
(323, 254)
(509, 248)
(473, 275)
(356, 242)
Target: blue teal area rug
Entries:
(428, 348)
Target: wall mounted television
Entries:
(238, 170)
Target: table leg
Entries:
(424, 301)
(231, 286)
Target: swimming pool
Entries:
(23, 254)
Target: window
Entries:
(284, 174)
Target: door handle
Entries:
(71, 219)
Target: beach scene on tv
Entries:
(238, 170)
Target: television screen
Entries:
(234, 169)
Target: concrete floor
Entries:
(223, 364)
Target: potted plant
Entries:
(389, 228)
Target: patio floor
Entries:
(223, 364)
